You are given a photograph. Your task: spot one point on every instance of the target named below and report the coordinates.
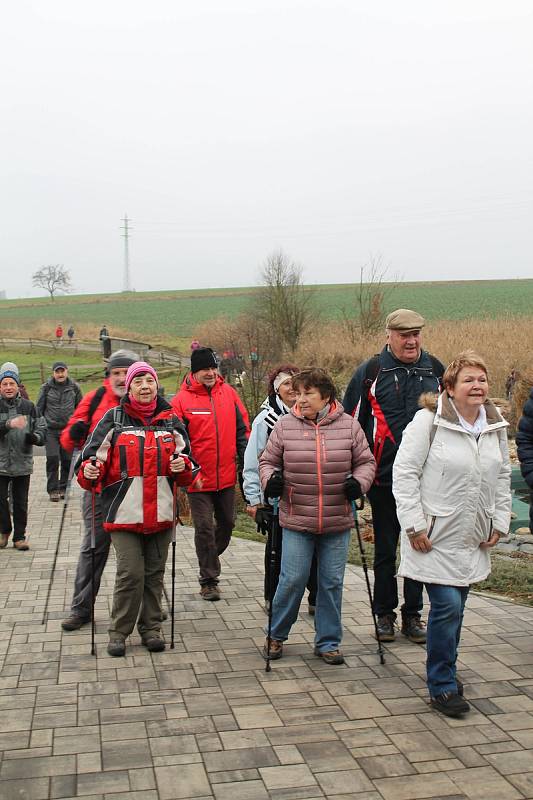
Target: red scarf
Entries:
(142, 411)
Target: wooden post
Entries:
(41, 365)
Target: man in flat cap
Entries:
(57, 401)
(383, 396)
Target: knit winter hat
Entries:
(203, 358)
(9, 370)
(140, 368)
(121, 358)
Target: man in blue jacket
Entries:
(383, 396)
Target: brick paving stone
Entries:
(390, 766)
(25, 789)
(483, 783)
(180, 782)
(247, 790)
(298, 775)
(242, 758)
(353, 780)
(122, 755)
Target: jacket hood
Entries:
(336, 411)
(440, 404)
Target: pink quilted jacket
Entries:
(316, 458)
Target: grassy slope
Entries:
(171, 315)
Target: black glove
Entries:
(240, 479)
(31, 438)
(79, 430)
(274, 486)
(352, 489)
(263, 520)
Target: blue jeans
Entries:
(443, 634)
(297, 555)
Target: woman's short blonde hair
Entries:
(468, 358)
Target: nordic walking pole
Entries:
(369, 590)
(73, 460)
(274, 537)
(173, 589)
(93, 555)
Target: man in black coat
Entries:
(524, 449)
(383, 396)
(57, 400)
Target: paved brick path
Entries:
(205, 721)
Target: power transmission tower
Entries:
(126, 228)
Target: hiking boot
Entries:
(210, 592)
(414, 629)
(450, 704)
(74, 622)
(54, 497)
(4, 539)
(154, 644)
(385, 625)
(460, 687)
(311, 609)
(276, 649)
(21, 544)
(116, 647)
(330, 656)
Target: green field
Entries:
(175, 315)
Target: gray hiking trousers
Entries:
(81, 601)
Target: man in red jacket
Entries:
(78, 430)
(218, 428)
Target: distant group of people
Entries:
(425, 444)
(59, 333)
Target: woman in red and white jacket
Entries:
(141, 448)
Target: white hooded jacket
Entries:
(455, 487)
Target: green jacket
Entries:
(16, 445)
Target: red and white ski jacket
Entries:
(135, 480)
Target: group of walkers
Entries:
(437, 478)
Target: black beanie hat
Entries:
(203, 358)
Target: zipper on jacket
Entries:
(216, 437)
(319, 477)
(291, 489)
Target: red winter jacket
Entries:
(135, 478)
(108, 400)
(218, 427)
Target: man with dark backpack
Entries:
(57, 401)
(78, 430)
(383, 396)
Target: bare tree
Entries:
(366, 314)
(53, 278)
(246, 345)
(284, 302)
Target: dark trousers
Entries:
(386, 535)
(57, 463)
(19, 486)
(272, 571)
(141, 560)
(81, 601)
(213, 515)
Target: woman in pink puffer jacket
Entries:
(326, 463)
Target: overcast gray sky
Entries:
(228, 128)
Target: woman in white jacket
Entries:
(451, 482)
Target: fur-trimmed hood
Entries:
(442, 407)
